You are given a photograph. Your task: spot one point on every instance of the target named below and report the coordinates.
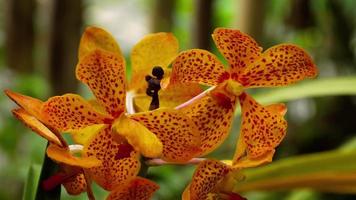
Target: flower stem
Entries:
(160, 162)
(49, 168)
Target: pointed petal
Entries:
(178, 134)
(278, 66)
(198, 66)
(82, 136)
(137, 189)
(140, 138)
(63, 155)
(262, 129)
(104, 73)
(212, 119)
(186, 193)
(207, 175)
(239, 49)
(71, 112)
(158, 49)
(94, 38)
(37, 126)
(29, 104)
(75, 185)
(120, 163)
(171, 97)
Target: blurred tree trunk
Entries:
(20, 35)
(64, 41)
(163, 15)
(203, 27)
(252, 17)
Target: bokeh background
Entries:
(38, 54)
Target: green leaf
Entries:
(309, 89)
(332, 171)
(31, 182)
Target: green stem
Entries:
(49, 168)
(144, 167)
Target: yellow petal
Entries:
(213, 117)
(142, 139)
(63, 155)
(138, 189)
(82, 136)
(95, 38)
(158, 49)
(280, 65)
(206, 177)
(176, 131)
(75, 185)
(37, 126)
(121, 163)
(30, 105)
(104, 73)
(262, 130)
(239, 49)
(198, 66)
(71, 112)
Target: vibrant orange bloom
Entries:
(119, 137)
(205, 183)
(263, 128)
(71, 175)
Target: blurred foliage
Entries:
(315, 124)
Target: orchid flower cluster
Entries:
(116, 133)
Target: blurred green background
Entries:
(38, 54)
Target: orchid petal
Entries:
(63, 155)
(140, 138)
(104, 73)
(280, 65)
(239, 49)
(94, 38)
(198, 66)
(71, 112)
(158, 49)
(138, 189)
(212, 119)
(37, 126)
(262, 129)
(178, 134)
(120, 162)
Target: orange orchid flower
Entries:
(263, 127)
(206, 180)
(119, 137)
(71, 174)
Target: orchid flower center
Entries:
(154, 85)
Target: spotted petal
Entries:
(97, 38)
(238, 48)
(205, 179)
(262, 130)
(37, 126)
(63, 155)
(71, 112)
(178, 134)
(137, 189)
(76, 184)
(158, 49)
(31, 105)
(120, 162)
(104, 73)
(278, 66)
(140, 138)
(198, 66)
(212, 119)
